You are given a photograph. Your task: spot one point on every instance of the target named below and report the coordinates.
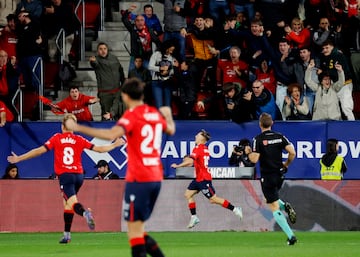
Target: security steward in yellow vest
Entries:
(333, 166)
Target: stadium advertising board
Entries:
(308, 138)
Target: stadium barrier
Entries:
(36, 206)
(309, 139)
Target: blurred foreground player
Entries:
(68, 148)
(143, 126)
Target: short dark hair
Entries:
(323, 74)
(134, 88)
(148, 6)
(74, 87)
(244, 142)
(331, 145)
(11, 17)
(328, 42)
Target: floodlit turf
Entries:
(185, 244)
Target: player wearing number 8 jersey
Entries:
(143, 126)
(68, 148)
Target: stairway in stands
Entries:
(117, 37)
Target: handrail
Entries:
(82, 28)
(61, 46)
(20, 110)
(102, 14)
(40, 80)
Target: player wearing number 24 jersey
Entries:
(68, 148)
(143, 126)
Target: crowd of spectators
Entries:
(208, 59)
(235, 59)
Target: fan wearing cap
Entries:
(200, 157)
(104, 172)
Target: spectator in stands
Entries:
(299, 68)
(8, 84)
(265, 73)
(141, 38)
(162, 65)
(328, 60)
(204, 64)
(239, 156)
(29, 49)
(332, 165)
(239, 107)
(275, 14)
(110, 77)
(187, 92)
(288, 57)
(297, 35)
(151, 19)
(175, 25)
(323, 33)
(233, 70)
(11, 172)
(326, 106)
(5, 114)
(228, 36)
(33, 7)
(256, 49)
(315, 9)
(142, 73)
(8, 37)
(264, 101)
(194, 8)
(246, 7)
(296, 106)
(78, 104)
(59, 14)
(104, 172)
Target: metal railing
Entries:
(60, 44)
(39, 64)
(19, 110)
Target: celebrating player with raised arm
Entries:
(68, 148)
(143, 126)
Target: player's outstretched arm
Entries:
(28, 155)
(107, 134)
(166, 112)
(187, 162)
(107, 148)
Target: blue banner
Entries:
(309, 139)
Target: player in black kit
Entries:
(267, 148)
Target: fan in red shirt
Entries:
(233, 70)
(68, 148)
(8, 37)
(143, 126)
(5, 114)
(78, 104)
(200, 157)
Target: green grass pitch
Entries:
(185, 244)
